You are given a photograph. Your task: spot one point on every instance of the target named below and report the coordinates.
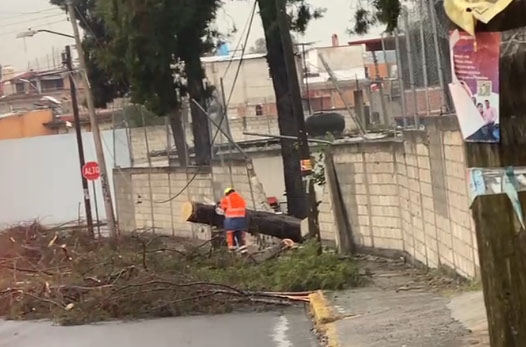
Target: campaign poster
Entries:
(475, 84)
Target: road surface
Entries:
(290, 328)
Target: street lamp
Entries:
(80, 147)
(31, 33)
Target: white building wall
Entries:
(40, 176)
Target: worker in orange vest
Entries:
(235, 209)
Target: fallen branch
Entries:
(148, 275)
(178, 285)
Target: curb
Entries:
(324, 318)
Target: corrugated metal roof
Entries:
(223, 58)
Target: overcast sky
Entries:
(18, 15)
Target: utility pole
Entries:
(305, 73)
(297, 109)
(294, 186)
(80, 146)
(108, 203)
(440, 70)
(361, 127)
(500, 237)
(409, 53)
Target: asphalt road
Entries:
(290, 328)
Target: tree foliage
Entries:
(259, 46)
(302, 13)
(149, 38)
(104, 84)
(156, 42)
(376, 12)
(139, 47)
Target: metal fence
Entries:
(421, 44)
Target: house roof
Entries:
(33, 74)
(102, 115)
(375, 44)
(223, 58)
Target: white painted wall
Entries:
(269, 170)
(40, 176)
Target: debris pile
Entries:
(67, 276)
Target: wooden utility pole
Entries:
(296, 199)
(78, 133)
(500, 237)
(108, 203)
(297, 109)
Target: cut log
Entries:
(266, 223)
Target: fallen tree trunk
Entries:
(266, 223)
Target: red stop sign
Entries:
(91, 171)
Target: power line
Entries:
(33, 19)
(242, 57)
(21, 14)
(247, 24)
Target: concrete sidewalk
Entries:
(403, 306)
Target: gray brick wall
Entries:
(158, 139)
(151, 199)
(398, 197)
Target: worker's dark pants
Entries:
(235, 231)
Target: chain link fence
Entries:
(423, 60)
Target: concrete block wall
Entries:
(151, 199)
(366, 173)
(124, 195)
(350, 168)
(417, 208)
(382, 190)
(464, 242)
(160, 136)
(408, 194)
(328, 228)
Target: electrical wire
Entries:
(33, 20)
(243, 50)
(21, 14)
(198, 171)
(226, 107)
(247, 24)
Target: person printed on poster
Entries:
(475, 84)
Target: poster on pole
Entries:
(475, 84)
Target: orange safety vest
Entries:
(234, 206)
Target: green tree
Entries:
(151, 37)
(104, 89)
(376, 12)
(194, 39)
(142, 39)
(137, 44)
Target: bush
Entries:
(301, 269)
